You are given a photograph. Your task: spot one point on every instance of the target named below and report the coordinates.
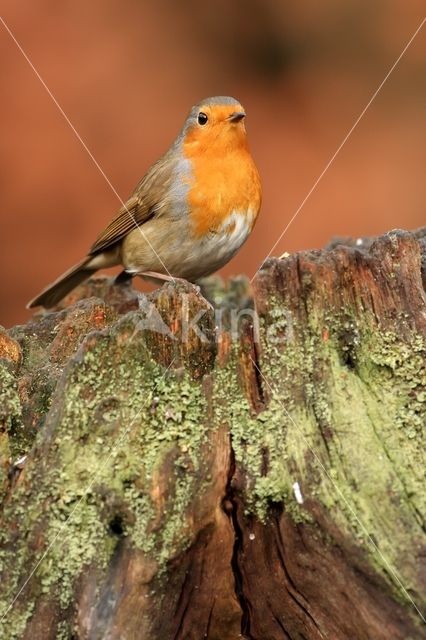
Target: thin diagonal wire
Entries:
(339, 148)
(338, 490)
(86, 148)
(83, 496)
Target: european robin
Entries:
(189, 214)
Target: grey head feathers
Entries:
(191, 119)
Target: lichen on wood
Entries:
(256, 473)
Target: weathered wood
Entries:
(227, 478)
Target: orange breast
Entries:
(224, 179)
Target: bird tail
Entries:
(51, 295)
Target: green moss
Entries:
(15, 622)
(10, 406)
(265, 445)
(116, 421)
(65, 630)
(394, 372)
(10, 413)
(364, 399)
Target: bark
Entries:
(223, 479)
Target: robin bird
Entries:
(189, 214)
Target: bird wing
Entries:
(148, 201)
(132, 215)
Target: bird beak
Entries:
(237, 116)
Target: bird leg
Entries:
(154, 275)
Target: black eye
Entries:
(202, 118)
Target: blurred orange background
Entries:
(126, 73)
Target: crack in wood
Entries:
(232, 513)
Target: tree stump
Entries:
(251, 469)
